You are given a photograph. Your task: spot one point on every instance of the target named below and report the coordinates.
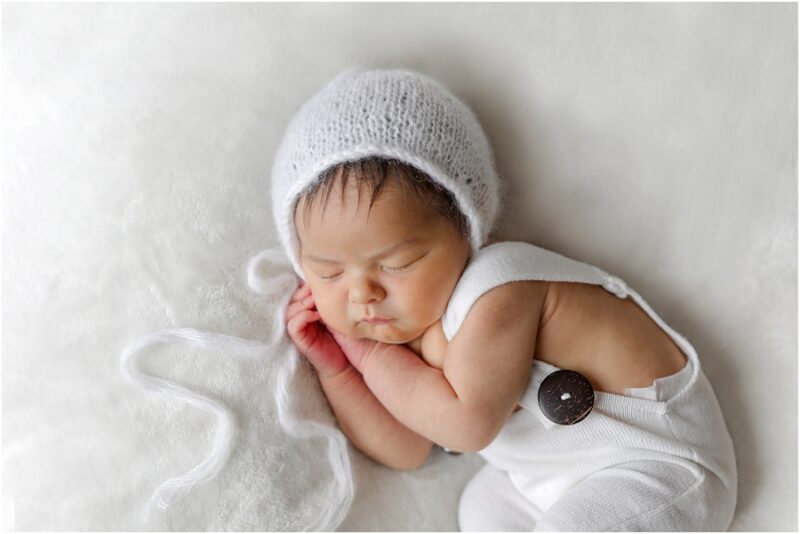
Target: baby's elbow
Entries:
(475, 430)
(412, 459)
(409, 465)
(474, 442)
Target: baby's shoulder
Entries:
(519, 294)
(505, 308)
(511, 303)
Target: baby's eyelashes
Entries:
(384, 268)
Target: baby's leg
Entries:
(491, 503)
(642, 496)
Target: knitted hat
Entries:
(397, 114)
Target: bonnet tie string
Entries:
(280, 281)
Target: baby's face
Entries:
(401, 263)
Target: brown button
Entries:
(566, 397)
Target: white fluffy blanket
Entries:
(656, 141)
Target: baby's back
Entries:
(611, 341)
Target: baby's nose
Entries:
(366, 292)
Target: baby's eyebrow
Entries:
(386, 252)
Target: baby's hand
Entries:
(312, 337)
(356, 350)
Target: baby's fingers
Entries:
(297, 326)
(300, 305)
(301, 292)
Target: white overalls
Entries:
(657, 458)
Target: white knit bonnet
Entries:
(397, 114)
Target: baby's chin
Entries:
(391, 340)
(387, 334)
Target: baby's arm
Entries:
(486, 366)
(369, 426)
(431, 346)
(364, 420)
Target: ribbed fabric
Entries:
(680, 443)
(396, 114)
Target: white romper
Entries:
(658, 458)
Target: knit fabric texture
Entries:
(392, 113)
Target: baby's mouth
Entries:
(376, 320)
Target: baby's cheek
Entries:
(336, 318)
(429, 301)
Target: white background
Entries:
(656, 141)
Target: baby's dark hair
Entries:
(373, 172)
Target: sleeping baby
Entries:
(590, 411)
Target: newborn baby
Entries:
(423, 331)
(381, 274)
